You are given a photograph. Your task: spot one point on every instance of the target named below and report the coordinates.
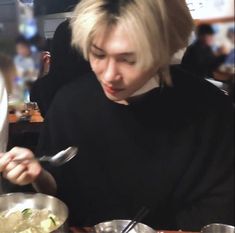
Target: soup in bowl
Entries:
(117, 226)
(32, 213)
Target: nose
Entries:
(111, 73)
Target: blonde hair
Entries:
(157, 28)
(8, 70)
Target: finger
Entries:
(16, 172)
(11, 165)
(25, 178)
(34, 169)
(21, 153)
(29, 176)
(19, 150)
(5, 160)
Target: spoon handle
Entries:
(55, 160)
(44, 158)
(41, 159)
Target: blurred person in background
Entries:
(27, 70)
(230, 59)
(45, 62)
(199, 58)
(229, 64)
(40, 47)
(66, 65)
(23, 59)
(148, 134)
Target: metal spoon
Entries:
(58, 159)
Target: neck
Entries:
(148, 86)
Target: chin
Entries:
(113, 97)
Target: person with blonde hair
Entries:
(149, 135)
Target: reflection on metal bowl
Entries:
(116, 226)
(20, 201)
(218, 228)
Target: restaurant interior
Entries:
(43, 17)
(34, 23)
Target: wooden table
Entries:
(223, 76)
(88, 230)
(227, 78)
(35, 117)
(24, 133)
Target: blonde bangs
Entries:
(85, 20)
(146, 33)
(140, 43)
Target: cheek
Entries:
(96, 65)
(133, 81)
(140, 78)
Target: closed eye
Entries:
(98, 55)
(129, 61)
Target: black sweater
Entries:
(170, 151)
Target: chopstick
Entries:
(139, 216)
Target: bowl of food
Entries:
(218, 228)
(117, 226)
(32, 213)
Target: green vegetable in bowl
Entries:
(53, 220)
(26, 212)
(28, 220)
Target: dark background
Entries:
(43, 7)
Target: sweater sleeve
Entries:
(210, 196)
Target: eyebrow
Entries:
(122, 54)
(96, 47)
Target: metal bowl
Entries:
(218, 228)
(116, 226)
(21, 201)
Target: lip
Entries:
(112, 90)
